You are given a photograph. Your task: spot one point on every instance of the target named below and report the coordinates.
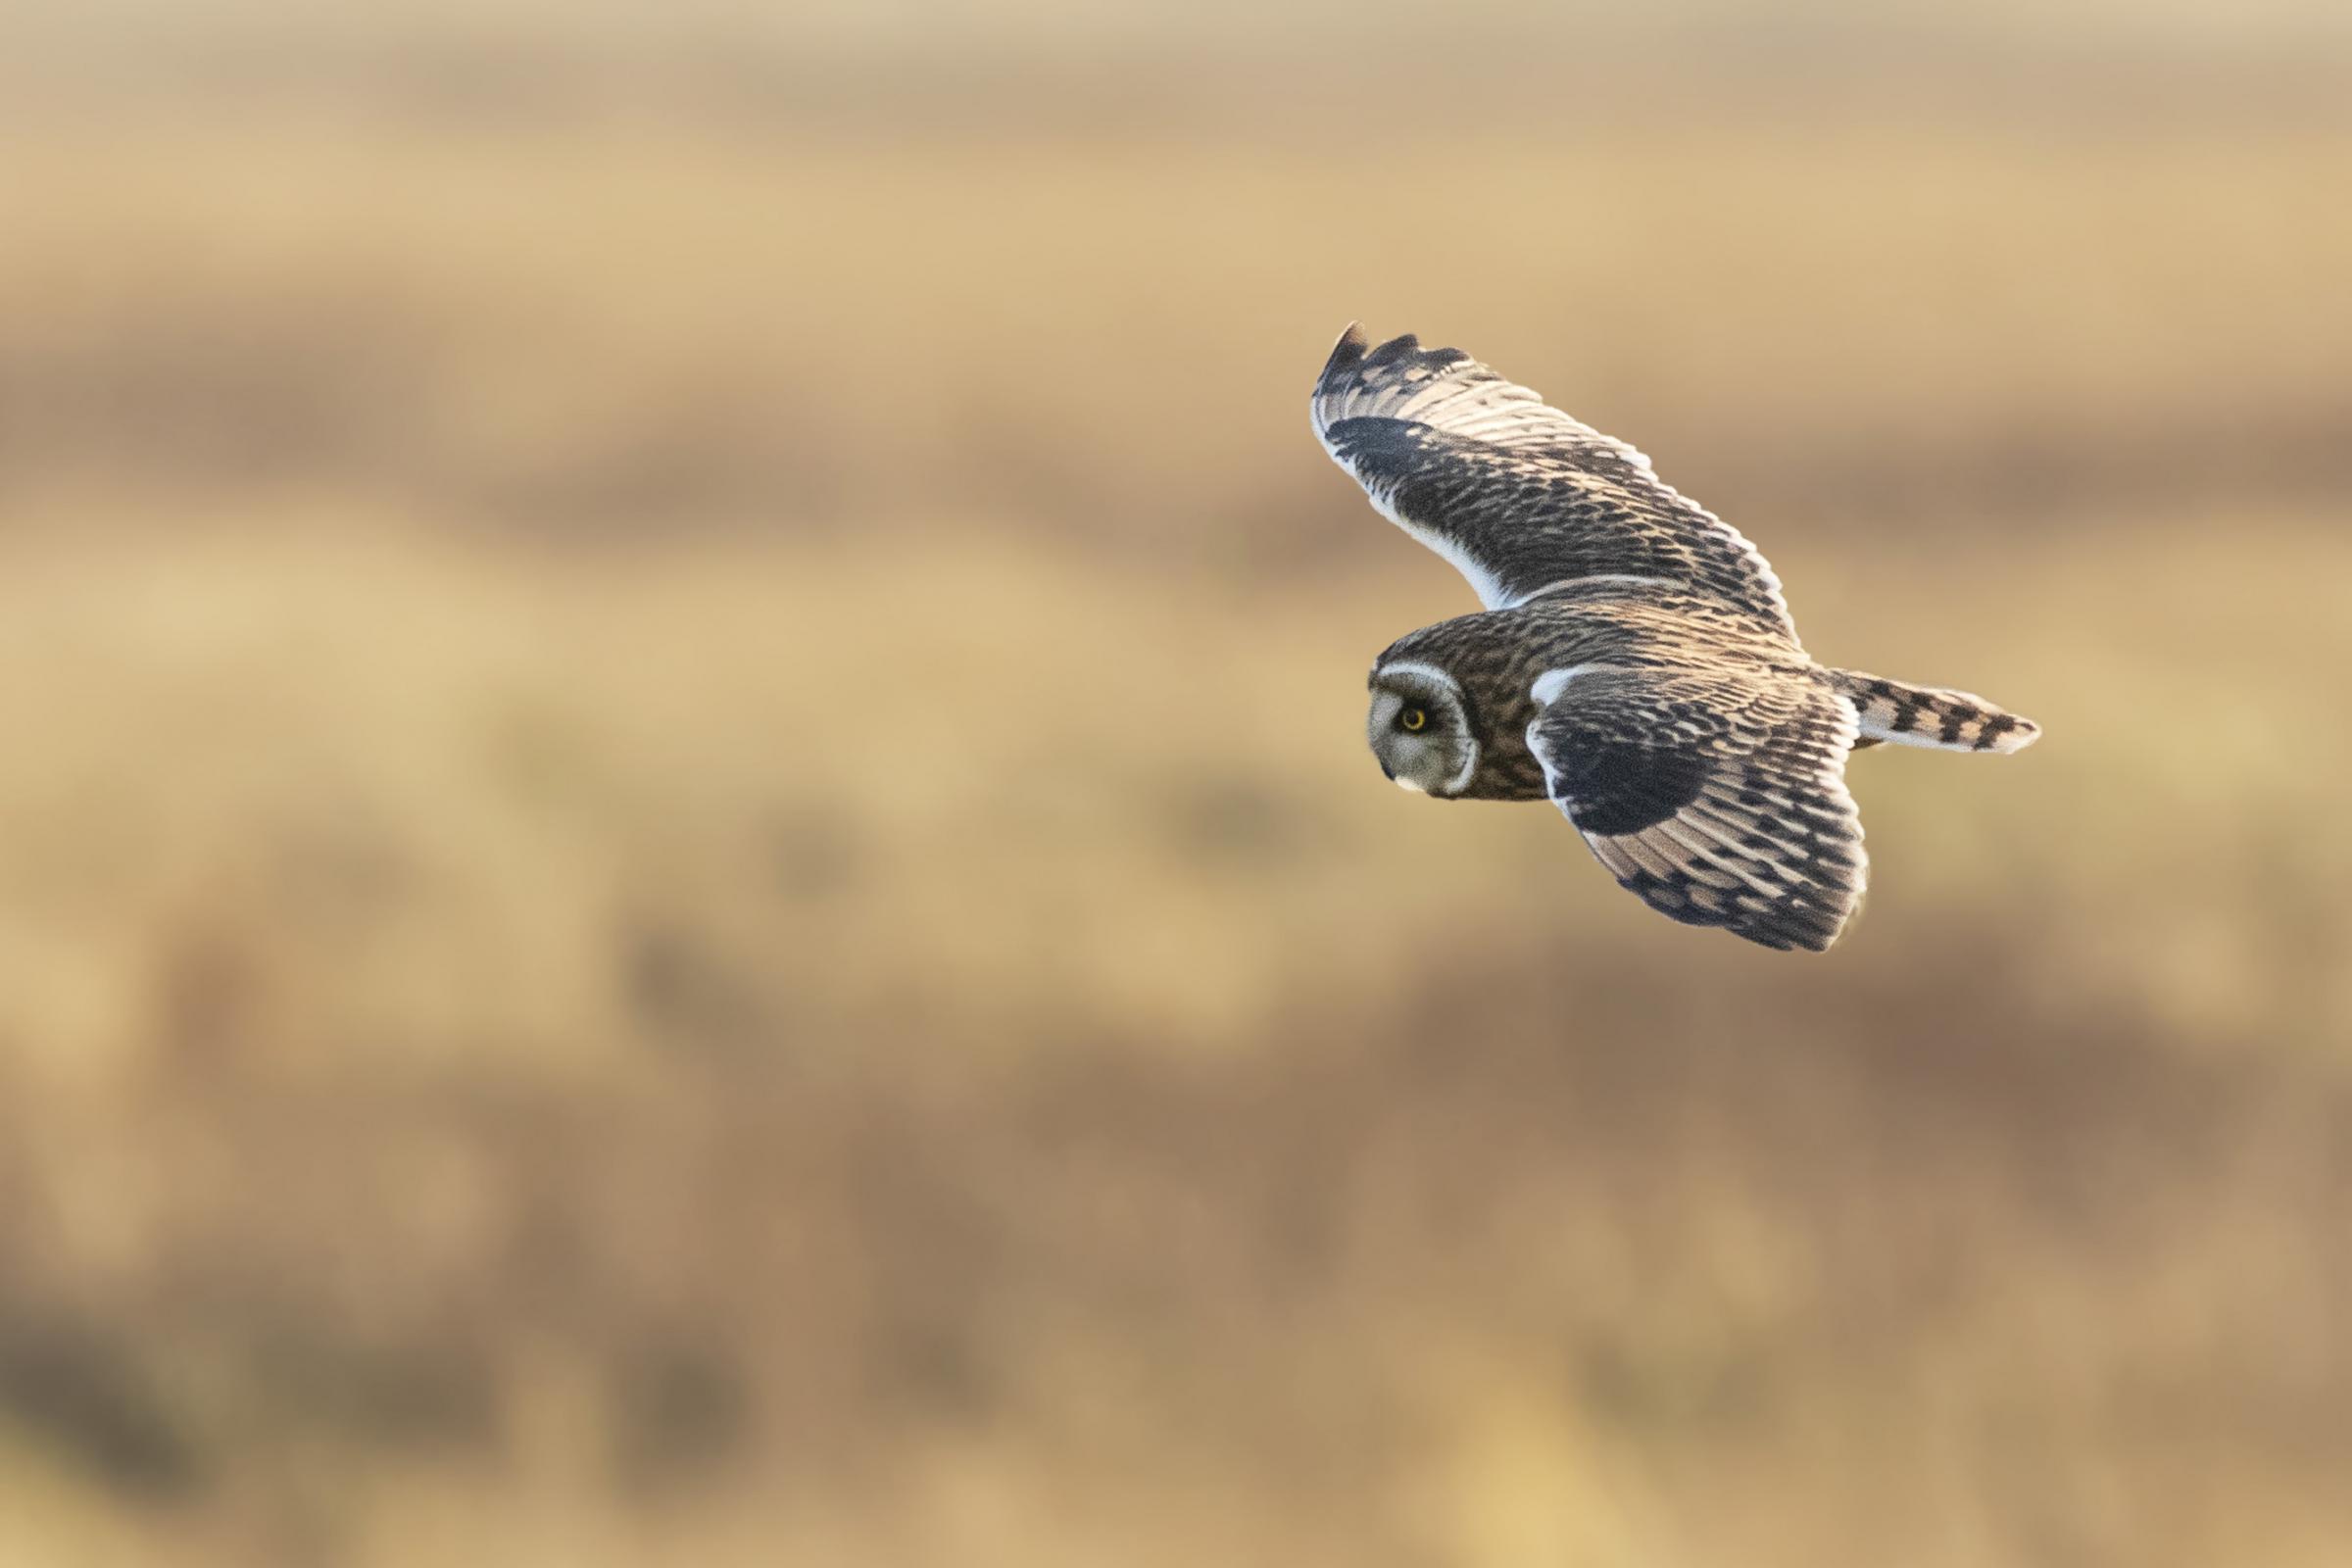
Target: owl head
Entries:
(1420, 729)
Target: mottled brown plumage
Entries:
(1635, 664)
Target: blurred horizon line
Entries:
(2150, 76)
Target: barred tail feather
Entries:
(1904, 714)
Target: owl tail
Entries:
(1930, 715)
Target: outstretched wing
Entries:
(1719, 798)
(1520, 497)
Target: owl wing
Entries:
(1719, 798)
(1517, 495)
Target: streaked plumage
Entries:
(1636, 661)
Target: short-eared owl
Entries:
(1635, 661)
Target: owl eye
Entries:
(1414, 719)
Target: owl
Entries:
(1635, 664)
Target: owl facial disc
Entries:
(1419, 730)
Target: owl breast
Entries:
(1507, 769)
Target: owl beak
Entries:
(1385, 771)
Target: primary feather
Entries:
(1517, 495)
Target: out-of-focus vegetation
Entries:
(686, 870)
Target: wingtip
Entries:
(1354, 347)
(1348, 348)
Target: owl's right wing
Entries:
(1518, 496)
(1718, 798)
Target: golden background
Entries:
(687, 870)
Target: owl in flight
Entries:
(1635, 662)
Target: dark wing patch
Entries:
(1624, 784)
(1517, 495)
(1719, 799)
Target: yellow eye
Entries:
(1413, 718)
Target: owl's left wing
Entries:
(1518, 496)
(1718, 798)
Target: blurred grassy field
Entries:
(686, 871)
